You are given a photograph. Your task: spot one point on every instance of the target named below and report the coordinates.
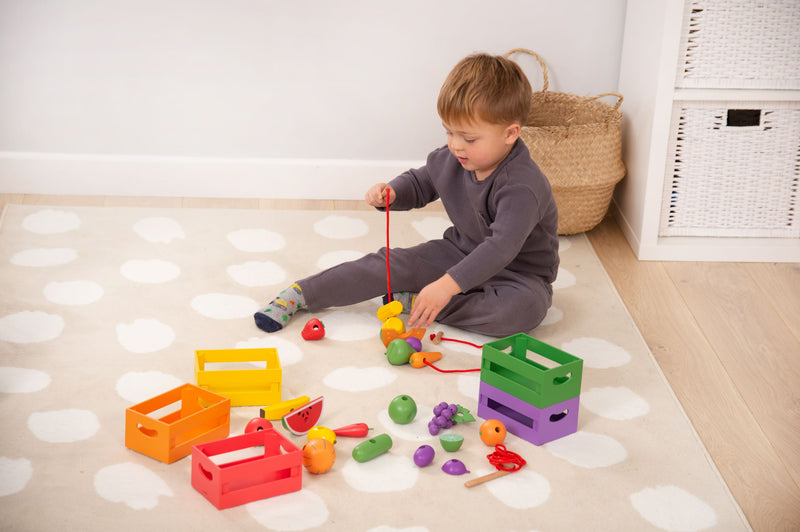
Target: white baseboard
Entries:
(123, 175)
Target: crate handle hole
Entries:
(561, 380)
(205, 472)
(150, 433)
(558, 417)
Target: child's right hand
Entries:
(376, 195)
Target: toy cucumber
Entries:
(278, 410)
(300, 421)
(372, 448)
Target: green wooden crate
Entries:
(531, 370)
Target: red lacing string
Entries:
(502, 457)
(388, 273)
(432, 336)
(449, 370)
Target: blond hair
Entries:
(487, 87)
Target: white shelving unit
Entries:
(711, 132)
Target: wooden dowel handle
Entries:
(485, 478)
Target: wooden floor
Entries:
(727, 336)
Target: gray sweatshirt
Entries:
(507, 222)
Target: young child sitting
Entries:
(492, 271)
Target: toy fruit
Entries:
(418, 359)
(318, 456)
(387, 335)
(454, 467)
(372, 448)
(257, 424)
(492, 432)
(416, 343)
(398, 352)
(299, 421)
(390, 310)
(356, 430)
(402, 409)
(278, 410)
(424, 455)
(451, 442)
(396, 324)
(314, 330)
(319, 431)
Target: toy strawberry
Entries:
(314, 330)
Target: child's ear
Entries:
(512, 133)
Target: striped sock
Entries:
(280, 310)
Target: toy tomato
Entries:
(314, 330)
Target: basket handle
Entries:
(591, 98)
(545, 82)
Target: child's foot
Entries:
(280, 310)
(406, 298)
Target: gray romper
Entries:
(502, 248)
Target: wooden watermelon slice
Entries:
(300, 420)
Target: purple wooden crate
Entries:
(536, 425)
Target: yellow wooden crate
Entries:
(242, 385)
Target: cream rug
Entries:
(103, 308)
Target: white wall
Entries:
(258, 97)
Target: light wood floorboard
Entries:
(726, 335)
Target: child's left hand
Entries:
(431, 300)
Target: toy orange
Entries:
(318, 456)
(492, 432)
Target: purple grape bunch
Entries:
(442, 417)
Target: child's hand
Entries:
(376, 195)
(431, 300)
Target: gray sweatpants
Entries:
(506, 304)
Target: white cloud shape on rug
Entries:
(145, 335)
(521, 490)
(673, 508)
(431, 227)
(224, 306)
(614, 402)
(64, 426)
(353, 379)
(159, 229)
(138, 386)
(351, 326)
(132, 484)
(416, 431)
(334, 258)
(14, 475)
(288, 352)
(469, 385)
(43, 257)
(386, 473)
(23, 380)
(589, 450)
(51, 222)
(554, 315)
(341, 227)
(564, 243)
(299, 510)
(256, 240)
(28, 327)
(597, 353)
(73, 293)
(151, 271)
(255, 273)
(565, 279)
(457, 334)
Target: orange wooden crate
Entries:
(202, 416)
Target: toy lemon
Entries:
(319, 431)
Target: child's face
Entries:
(480, 146)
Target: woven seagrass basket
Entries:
(577, 143)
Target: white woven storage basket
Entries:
(733, 170)
(753, 44)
